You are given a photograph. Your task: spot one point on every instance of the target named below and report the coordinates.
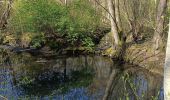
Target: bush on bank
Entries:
(74, 23)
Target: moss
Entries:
(109, 52)
(9, 39)
(26, 39)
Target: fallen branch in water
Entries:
(4, 98)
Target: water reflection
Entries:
(135, 84)
(83, 77)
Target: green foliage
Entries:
(40, 17)
(84, 21)
(54, 44)
(75, 22)
(36, 16)
(38, 40)
(88, 43)
(84, 15)
(25, 81)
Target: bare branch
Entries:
(104, 8)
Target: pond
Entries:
(23, 76)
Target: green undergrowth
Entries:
(49, 23)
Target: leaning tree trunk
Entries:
(167, 69)
(109, 85)
(157, 39)
(114, 29)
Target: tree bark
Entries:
(167, 69)
(117, 15)
(114, 29)
(65, 2)
(157, 39)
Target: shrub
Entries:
(74, 23)
(88, 43)
(41, 17)
(84, 21)
(36, 16)
(38, 40)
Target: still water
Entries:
(23, 76)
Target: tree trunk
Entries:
(167, 69)
(157, 39)
(117, 15)
(114, 29)
(5, 15)
(65, 2)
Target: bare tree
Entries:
(157, 39)
(117, 15)
(114, 28)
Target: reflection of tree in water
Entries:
(46, 81)
(29, 77)
(134, 84)
(77, 74)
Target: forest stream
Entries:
(23, 76)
